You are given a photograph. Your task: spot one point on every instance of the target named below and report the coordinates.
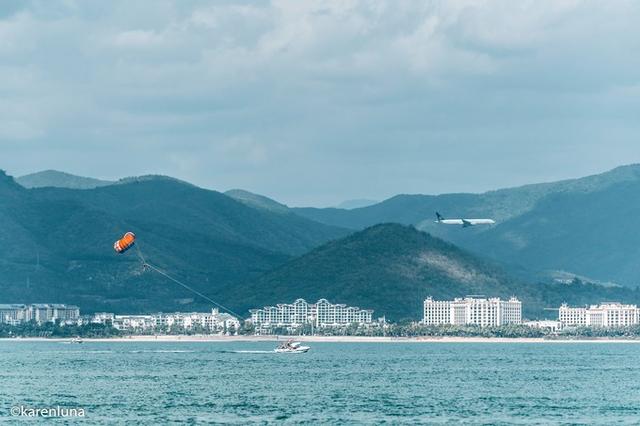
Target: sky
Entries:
(316, 102)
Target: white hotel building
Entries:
(319, 314)
(41, 313)
(472, 311)
(213, 321)
(607, 314)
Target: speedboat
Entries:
(76, 340)
(290, 347)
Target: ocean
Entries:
(335, 383)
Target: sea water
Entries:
(335, 383)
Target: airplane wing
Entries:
(480, 221)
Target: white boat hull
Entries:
(298, 350)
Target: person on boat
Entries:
(287, 344)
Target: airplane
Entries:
(464, 222)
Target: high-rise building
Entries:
(572, 317)
(472, 311)
(606, 314)
(13, 314)
(39, 312)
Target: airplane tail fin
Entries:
(439, 217)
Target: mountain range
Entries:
(246, 250)
(584, 227)
(56, 179)
(392, 268)
(56, 243)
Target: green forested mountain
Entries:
(257, 201)
(502, 204)
(58, 179)
(56, 244)
(583, 226)
(389, 268)
(595, 234)
(392, 268)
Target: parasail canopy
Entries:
(125, 243)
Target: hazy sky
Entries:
(316, 102)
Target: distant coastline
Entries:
(329, 339)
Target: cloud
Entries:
(137, 39)
(318, 101)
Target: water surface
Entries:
(349, 383)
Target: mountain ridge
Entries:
(257, 201)
(57, 243)
(58, 179)
(515, 210)
(223, 243)
(416, 208)
(392, 268)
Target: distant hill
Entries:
(581, 226)
(502, 204)
(56, 179)
(392, 268)
(594, 233)
(246, 250)
(356, 204)
(257, 201)
(56, 244)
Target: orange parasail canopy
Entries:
(125, 243)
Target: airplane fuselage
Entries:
(466, 222)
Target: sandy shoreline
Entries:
(332, 339)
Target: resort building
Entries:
(547, 325)
(572, 317)
(40, 312)
(102, 318)
(472, 311)
(320, 314)
(134, 322)
(606, 314)
(213, 321)
(13, 314)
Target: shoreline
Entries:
(322, 339)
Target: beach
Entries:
(330, 339)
